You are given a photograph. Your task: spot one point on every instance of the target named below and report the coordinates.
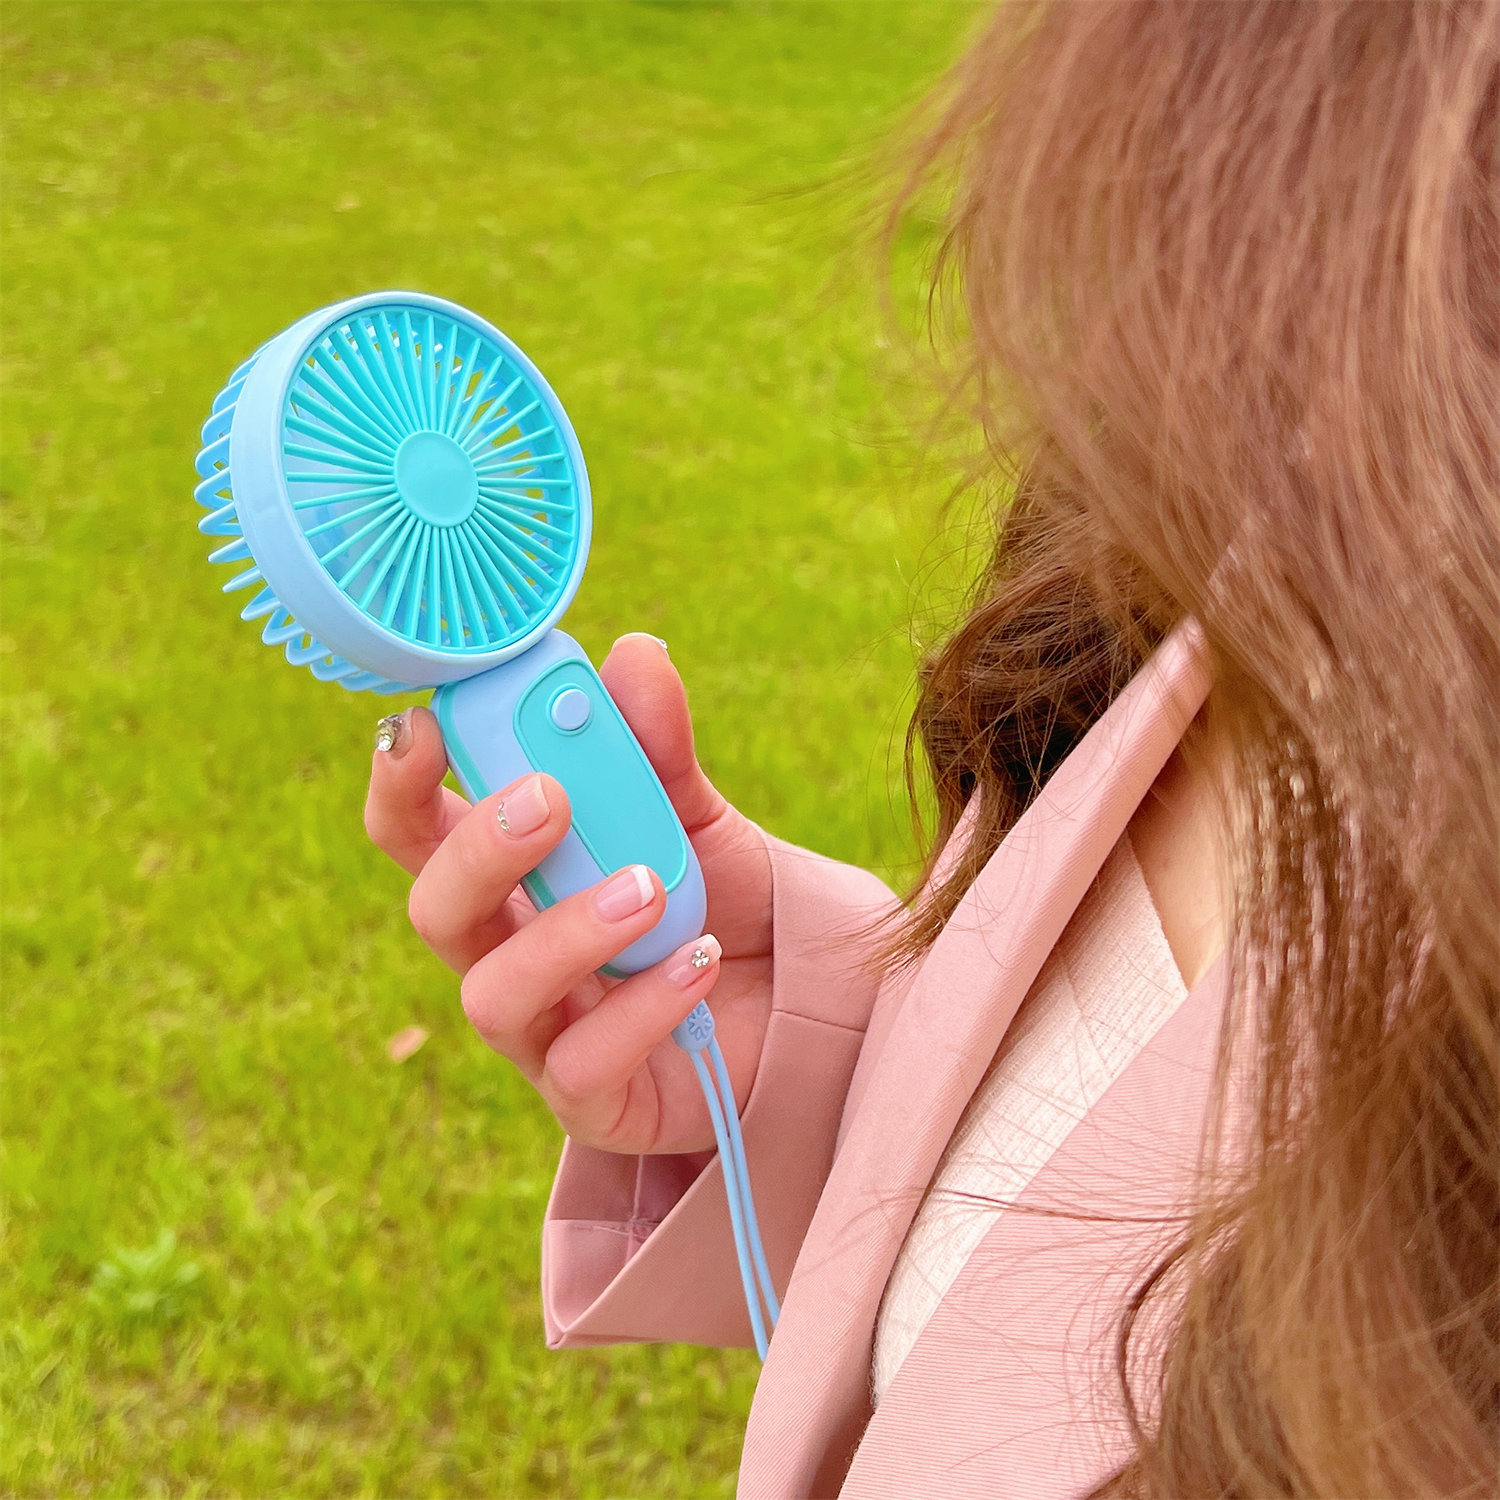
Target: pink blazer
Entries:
(1009, 1390)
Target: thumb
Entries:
(645, 685)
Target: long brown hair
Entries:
(1223, 286)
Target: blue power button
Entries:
(571, 709)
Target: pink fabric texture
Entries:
(1007, 1391)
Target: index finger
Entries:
(409, 811)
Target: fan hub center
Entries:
(436, 479)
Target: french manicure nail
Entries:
(624, 893)
(392, 736)
(687, 964)
(523, 808)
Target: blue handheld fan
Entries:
(412, 507)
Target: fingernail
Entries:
(392, 736)
(685, 967)
(523, 808)
(624, 893)
(647, 636)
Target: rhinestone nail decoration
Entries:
(500, 817)
(386, 731)
(700, 958)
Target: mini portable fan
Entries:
(413, 509)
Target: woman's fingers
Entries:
(408, 811)
(590, 1065)
(512, 994)
(458, 901)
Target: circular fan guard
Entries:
(432, 473)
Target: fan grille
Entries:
(215, 493)
(428, 473)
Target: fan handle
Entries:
(547, 710)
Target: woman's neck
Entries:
(1176, 838)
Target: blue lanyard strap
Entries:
(695, 1035)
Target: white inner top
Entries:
(1107, 988)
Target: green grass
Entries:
(245, 1252)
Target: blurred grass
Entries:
(245, 1253)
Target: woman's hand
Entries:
(597, 1050)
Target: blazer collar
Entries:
(812, 1402)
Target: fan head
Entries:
(406, 489)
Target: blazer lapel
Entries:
(813, 1402)
(1013, 1381)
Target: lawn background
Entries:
(245, 1252)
